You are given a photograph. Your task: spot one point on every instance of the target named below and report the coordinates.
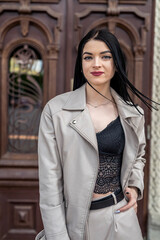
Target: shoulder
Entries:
(136, 109)
(127, 109)
(141, 111)
(56, 104)
(71, 101)
(138, 120)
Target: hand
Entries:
(132, 195)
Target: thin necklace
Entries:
(100, 93)
(96, 106)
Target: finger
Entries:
(128, 206)
(135, 210)
(135, 206)
(125, 208)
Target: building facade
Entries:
(154, 186)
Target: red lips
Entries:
(97, 73)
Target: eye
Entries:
(106, 57)
(87, 58)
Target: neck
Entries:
(95, 97)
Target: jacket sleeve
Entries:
(50, 181)
(137, 174)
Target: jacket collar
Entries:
(125, 110)
(77, 101)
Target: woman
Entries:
(91, 148)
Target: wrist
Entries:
(135, 189)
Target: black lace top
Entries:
(111, 142)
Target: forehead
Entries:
(95, 45)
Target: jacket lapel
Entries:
(130, 151)
(82, 123)
(84, 126)
(127, 113)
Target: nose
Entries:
(97, 63)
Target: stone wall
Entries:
(154, 188)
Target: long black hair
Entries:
(119, 82)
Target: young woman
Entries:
(91, 148)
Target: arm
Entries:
(136, 179)
(50, 181)
(134, 191)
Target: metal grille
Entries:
(25, 83)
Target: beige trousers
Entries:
(105, 224)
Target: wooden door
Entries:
(32, 45)
(38, 45)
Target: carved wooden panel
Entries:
(44, 37)
(30, 35)
(19, 213)
(23, 216)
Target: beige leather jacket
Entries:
(68, 161)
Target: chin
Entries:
(99, 83)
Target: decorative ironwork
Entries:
(25, 84)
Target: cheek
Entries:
(85, 68)
(112, 67)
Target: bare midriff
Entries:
(97, 195)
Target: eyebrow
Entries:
(100, 52)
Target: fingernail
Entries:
(117, 211)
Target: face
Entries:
(97, 63)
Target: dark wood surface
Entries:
(54, 28)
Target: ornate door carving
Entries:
(30, 39)
(38, 44)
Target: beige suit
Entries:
(68, 161)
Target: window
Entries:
(25, 85)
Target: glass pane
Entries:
(25, 83)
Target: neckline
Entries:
(109, 124)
